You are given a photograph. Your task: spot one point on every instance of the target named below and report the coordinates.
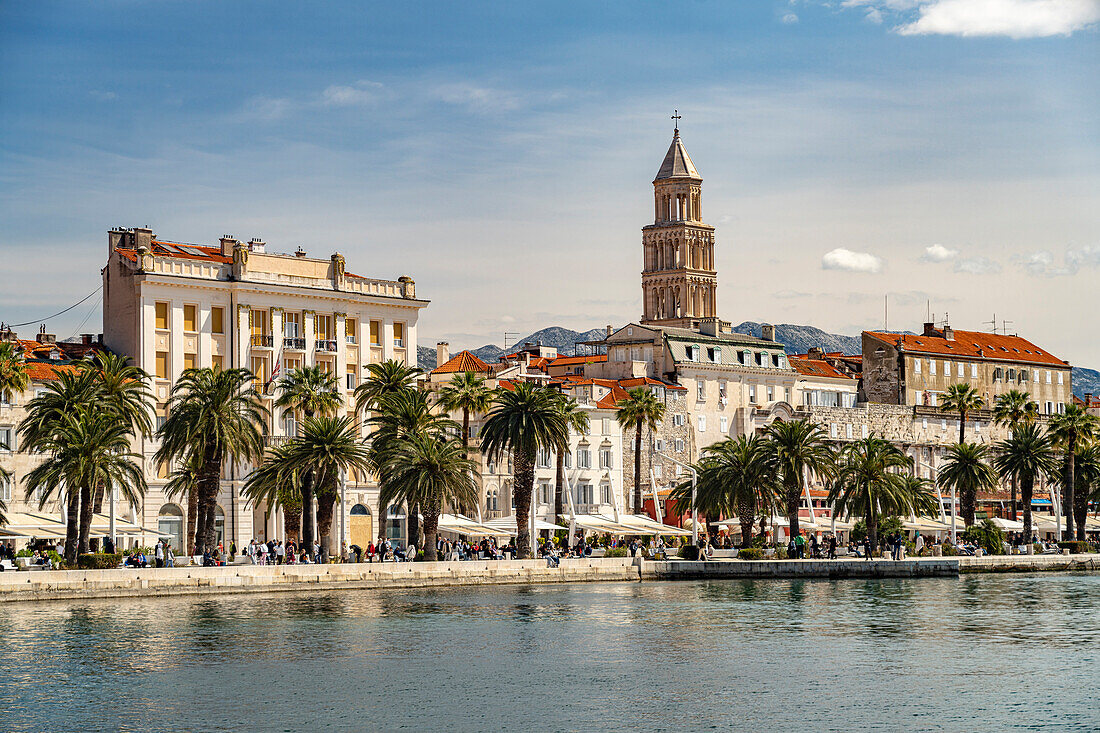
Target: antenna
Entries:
(928, 310)
(509, 335)
(886, 313)
(992, 324)
(1004, 326)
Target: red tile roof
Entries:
(573, 360)
(639, 381)
(972, 345)
(463, 361)
(39, 372)
(611, 400)
(815, 368)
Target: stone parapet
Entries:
(824, 569)
(1028, 563)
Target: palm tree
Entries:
(639, 410)
(963, 399)
(798, 446)
(5, 476)
(967, 470)
(1087, 467)
(89, 448)
(466, 392)
(576, 420)
(217, 414)
(276, 485)
(183, 481)
(429, 470)
(1071, 429)
(310, 391)
(47, 414)
(522, 421)
(1027, 453)
(13, 370)
(327, 447)
(1013, 408)
(384, 379)
(736, 477)
(872, 481)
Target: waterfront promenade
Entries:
(129, 582)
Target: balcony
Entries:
(293, 342)
(326, 345)
(261, 341)
(350, 340)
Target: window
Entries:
(973, 371)
(1061, 408)
(351, 378)
(1048, 376)
(292, 325)
(864, 430)
(1049, 409)
(752, 394)
(760, 357)
(1061, 376)
(932, 367)
(375, 333)
(5, 398)
(606, 460)
(832, 430)
(584, 458)
(998, 374)
(771, 393)
(678, 419)
(658, 445)
(568, 460)
(399, 335)
(714, 353)
(1023, 375)
(217, 362)
(542, 460)
(322, 327)
(259, 373)
(160, 311)
(702, 423)
(162, 365)
(546, 494)
(5, 488)
(848, 431)
(217, 319)
(723, 424)
(916, 366)
(605, 426)
(582, 493)
(701, 391)
(658, 470)
(605, 493)
(947, 369)
(679, 446)
(693, 353)
(350, 327)
(290, 425)
(787, 394)
(1010, 375)
(7, 435)
(190, 361)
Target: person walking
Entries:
(158, 554)
(800, 545)
(867, 547)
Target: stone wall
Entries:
(831, 569)
(669, 433)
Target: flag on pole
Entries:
(271, 380)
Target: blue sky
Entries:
(942, 151)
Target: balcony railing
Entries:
(261, 340)
(326, 345)
(293, 342)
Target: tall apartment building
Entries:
(173, 306)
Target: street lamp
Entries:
(694, 481)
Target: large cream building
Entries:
(173, 306)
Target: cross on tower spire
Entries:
(675, 120)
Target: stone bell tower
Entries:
(678, 276)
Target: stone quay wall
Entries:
(1028, 563)
(823, 569)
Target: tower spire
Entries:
(675, 121)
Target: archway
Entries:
(170, 525)
(360, 526)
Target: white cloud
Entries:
(874, 15)
(790, 18)
(845, 259)
(1011, 18)
(361, 92)
(1042, 263)
(978, 266)
(475, 97)
(938, 253)
(266, 108)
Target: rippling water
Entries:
(975, 653)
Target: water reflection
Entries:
(913, 654)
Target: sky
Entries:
(941, 154)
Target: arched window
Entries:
(170, 526)
(360, 510)
(219, 526)
(395, 524)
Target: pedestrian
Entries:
(158, 554)
(867, 546)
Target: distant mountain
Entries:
(1086, 381)
(796, 339)
(800, 339)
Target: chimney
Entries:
(257, 245)
(143, 237)
(608, 332)
(299, 252)
(949, 333)
(816, 353)
(930, 329)
(442, 353)
(708, 326)
(45, 338)
(6, 334)
(86, 339)
(227, 242)
(767, 332)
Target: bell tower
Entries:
(678, 276)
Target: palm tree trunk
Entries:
(208, 498)
(794, 497)
(72, 525)
(559, 478)
(325, 503)
(872, 529)
(412, 524)
(97, 507)
(431, 533)
(746, 515)
(1067, 483)
(292, 525)
(307, 511)
(1080, 509)
(962, 426)
(192, 517)
(1026, 487)
(383, 520)
(85, 519)
(638, 470)
(1012, 505)
(523, 481)
(969, 499)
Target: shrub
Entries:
(986, 535)
(688, 552)
(949, 550)
(99, 561)
(616, 552)
(1074, 547)
(780, 552)
(859, 531)
(750, 553)
(24, 553)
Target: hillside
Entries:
(796, 339)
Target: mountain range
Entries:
(796, 339)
